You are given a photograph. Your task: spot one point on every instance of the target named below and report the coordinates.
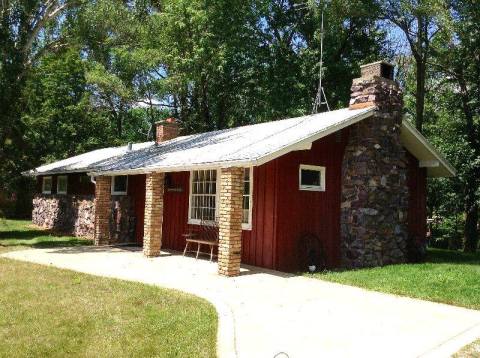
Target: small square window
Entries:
(62, 183)
(312, 178)
(47, 185)
(119, 185)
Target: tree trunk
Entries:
(471, 230)
(420, 94)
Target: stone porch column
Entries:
(152, 237)
(102, 210)
(230, 221)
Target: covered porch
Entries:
(168, 212)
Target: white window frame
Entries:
(248, 226)
(43, 185)
(320, 169)
(66, 184)
(119, 192)
(193, 221)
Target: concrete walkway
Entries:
(263, 312)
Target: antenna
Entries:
(320, 98)
(317, 104)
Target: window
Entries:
(62, 184)
(47, 185)
(203, 196)
(204, 190)
(311, 178)
(119, 185)
(247, 199)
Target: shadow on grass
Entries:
(24, 234)
(452, 257)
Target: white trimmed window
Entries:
(62, 183)
(119, 184)
(204, 189)
(47, 185)
(204, 196)
(247, 199)
(311, 177)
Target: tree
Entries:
(28, 29)
(459, 64)
(420, 21)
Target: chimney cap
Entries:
(379, 68)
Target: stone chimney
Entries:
(166, 130)
(374, 174)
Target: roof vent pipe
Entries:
(129, 147)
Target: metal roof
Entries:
(242, 146)
(250, 145)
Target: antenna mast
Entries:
(320, 97)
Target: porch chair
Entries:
(206, 235)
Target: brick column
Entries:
(230, 221)
(152, 237)
(102, 210)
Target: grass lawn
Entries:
(21, 234)
(46, 311)
(446, 276)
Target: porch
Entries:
(165, 212)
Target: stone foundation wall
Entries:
(374, 180)
(70, 214)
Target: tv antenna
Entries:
(320, 97)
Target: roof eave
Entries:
(444, 169)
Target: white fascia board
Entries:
(422, 140)
(33, 173)
(309, 140)
(429, 163)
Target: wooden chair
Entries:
(206, 235)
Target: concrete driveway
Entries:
(264, 312)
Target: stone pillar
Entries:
(102, 210)
(374, 177)
(152, 237)
(230, 221)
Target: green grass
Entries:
(21, 234)
(446, 276)
(51, 312)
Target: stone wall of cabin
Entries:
(75, 215)
(69, 214)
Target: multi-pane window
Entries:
(204, 190)
(247, 198)
(203, 198)
(62, 184)
(47, 185)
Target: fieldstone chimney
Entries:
(166, 130)
(374, 174)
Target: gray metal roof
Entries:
(242, 146)
(250, 145)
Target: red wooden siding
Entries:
(281, 214)
(175, 211)
(301, 212)
(417, 208)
